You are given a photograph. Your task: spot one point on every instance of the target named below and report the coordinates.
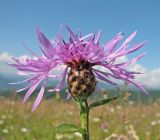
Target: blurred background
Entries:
(138, 115)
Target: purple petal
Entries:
(85, 37)
(39, 97)
(136, 47)
(97, 87)
(30, 91)
(48, 49)
(15, 83)
(112, 44)
(104, 78)
(98, 37)
(131, 61)
(61, 83)
(71, 33)
(140, 86)
(26, 80)
(104, 73)
(22, 89)
(33, 53)
(68, 95)
(129, 39)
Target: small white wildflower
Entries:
(131, 102)
(3, 117)
(1, 122)
(12, 102)
(77, 134)
(113, 136)
(157, 114)
(5, 131)
(24, 130)
(153, 123)
(96, 119)
(118, 107)
(59, 136)
(68, 136)
(132, 133)
(112, 110)
(148, 133)
(105, 130)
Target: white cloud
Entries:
(121, 59)
(151, 78)
(5, 57)
(24, 57)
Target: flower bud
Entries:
(81, 81)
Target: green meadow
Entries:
(124, 119)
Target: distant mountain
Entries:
(111, 90)
(9, 78)
(3, 82)
(6, 79)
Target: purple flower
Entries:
(78, 48)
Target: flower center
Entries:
(81, 80)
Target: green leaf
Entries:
(101, 102)
(67, 128)
(82, 131)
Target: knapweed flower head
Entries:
(79, 56)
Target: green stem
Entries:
(84, 118)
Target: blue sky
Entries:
(18, 20)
